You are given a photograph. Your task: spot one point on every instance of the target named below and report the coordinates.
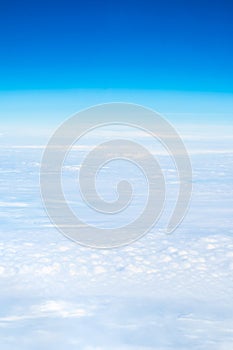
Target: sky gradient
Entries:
(161, 45)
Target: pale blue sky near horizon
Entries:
(48, 107)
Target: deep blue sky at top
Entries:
(165, 45)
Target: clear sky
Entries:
(57, 57)
(130, 44)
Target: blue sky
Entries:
(59, 57)
(161, 45)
